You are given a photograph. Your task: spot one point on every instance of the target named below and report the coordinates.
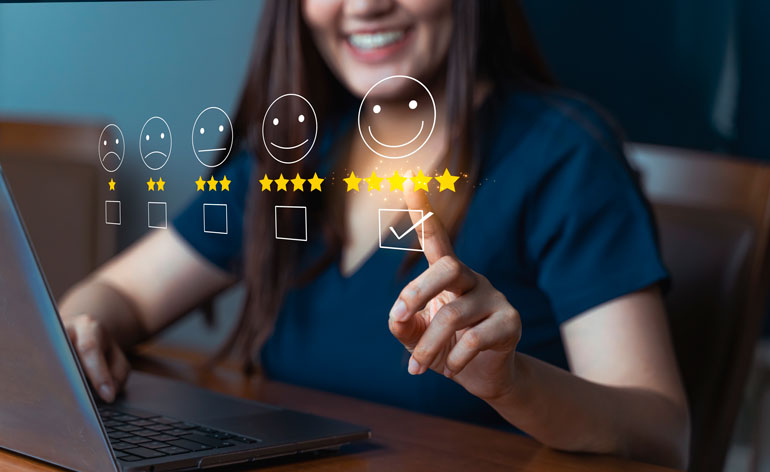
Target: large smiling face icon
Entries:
(155, 143)
(289, 128)
(420, 101)
(111, 148)
(212, 137)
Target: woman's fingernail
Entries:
(447, 372)
(398, 312)
(414, 366)
(105, 390)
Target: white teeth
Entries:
(375, 40)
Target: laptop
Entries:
(48, 412)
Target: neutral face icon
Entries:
(155, 143)
(289, 115)
(111, 148)
(419, 104)
(212, 137)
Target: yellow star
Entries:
(225, 183)
(396, 182)
(111, 183)
(201, 184)
(161, 185)
(374, 182)
(150, 185)
(421, 181)
(299, 183)
(280, 183)
(447, 181)
(353, 182)
(212, 183)
(266, 183)
(315, 182)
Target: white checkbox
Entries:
(157, 215)
(281, 234)
(400, 235)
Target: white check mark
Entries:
(418, 223)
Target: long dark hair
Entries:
(490, 40)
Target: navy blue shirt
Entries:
(557, 224)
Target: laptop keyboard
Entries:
(136, 436)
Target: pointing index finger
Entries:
(435, 241)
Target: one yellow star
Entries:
(315, 182)
(421, 181)
(353, 182)
(299, 183)
(111, 183)
(225, 183)
(447, 181)
(212, 183)
(266, 183)
(161, 185)
(374, 182)
(280, 183)
(396, 182)
(201, 184)
(150, 185)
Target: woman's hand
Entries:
(100, 356)
(452, 319)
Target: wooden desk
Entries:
(401, 440)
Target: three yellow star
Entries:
(150, 185)
(447, 181)
(161, 185)
(201, 184)
(266, 183)
(396, 182)
(374, 182)
(299, 183)
(421, 181)
(111, 183)
(212, 183)
(225, 183)
(353, 182)
(315, 182)
(280, 183)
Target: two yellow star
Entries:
(151, 185)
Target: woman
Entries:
(537, 302)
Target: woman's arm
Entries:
(132, 297)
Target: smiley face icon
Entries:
(289, 128)
(212, 137)
(420, 130)
(111, 147)
(155, 143)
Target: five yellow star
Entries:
(150, 185)
(421, 181)
(374, 182)
(396, 182)
(212, 183)
(299, 183)
(447, 181)
(161, 185)
(266, 183)
(280, 183)
(201, 184)
(111, 183)
(225, 183)
(353, 182)
(315, 182)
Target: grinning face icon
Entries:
(212, 137)
(291, 117)
(420, 101)
(111, 148)
(155, 143)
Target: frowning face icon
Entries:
(212, 137)
(111, 148)
(289, 128)
(155, 143)
(419, 104)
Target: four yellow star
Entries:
(161, 185)
(266, 183)
(315, 182)
(212, 183)
(374, 182)
(201, 184)
(150, 185)
(396, 182)
(447, 181)
(280, 183)
(353, 182)
(225, 183)
(111, 183)
(299, 183)
(421, 181)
